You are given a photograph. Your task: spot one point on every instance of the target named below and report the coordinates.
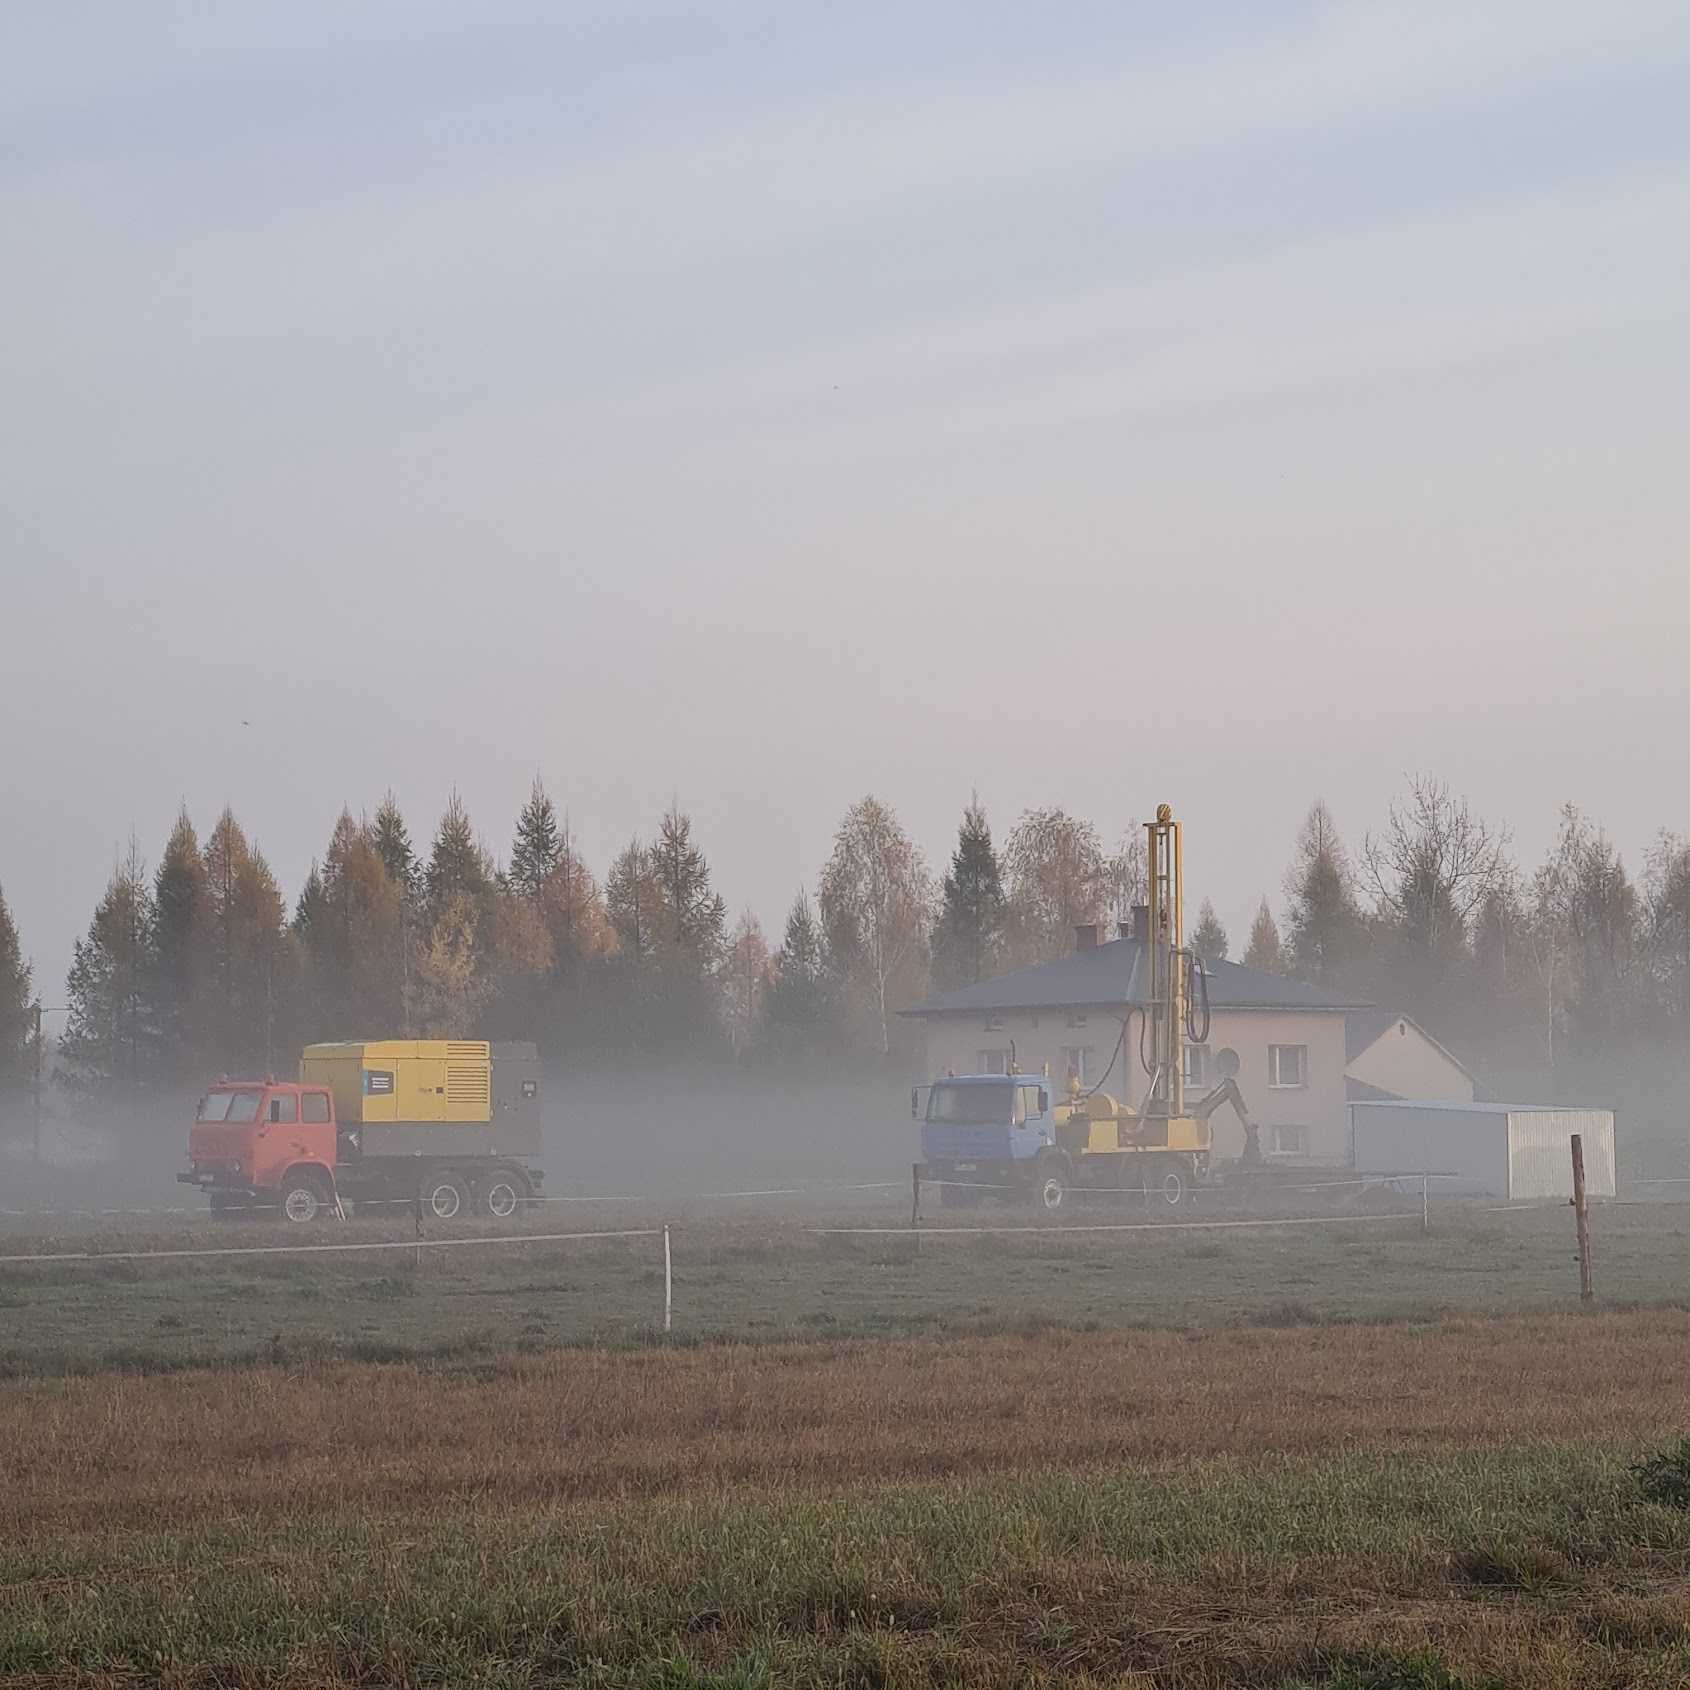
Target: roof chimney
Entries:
(1085, 936)
(1123, 929)
(1141, 923)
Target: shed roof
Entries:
(1113, 973)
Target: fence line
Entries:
(926, 1233)
(312, 1249)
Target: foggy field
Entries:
(774, 1277)
(1377, 1507)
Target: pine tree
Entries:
(349, 921)
(1265, 950)
(110, 1044)
(538, 846)
(17, 1019)
(1326, 931)
(1208, 938)
(694, 917)
(457, 864)
(969, 936)
(182, 914)
(798, 1009)
(392, 841)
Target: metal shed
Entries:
(1515, 1151)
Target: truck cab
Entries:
(264, 1144)
(980, 1131)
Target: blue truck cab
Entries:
(986, 1131)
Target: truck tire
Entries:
(303, 1197)
(445, 1197)
(1170, 1181)
(1050, 1184)
(501, 1193)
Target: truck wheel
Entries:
(444, 1197)
(1050, 1187)
(303, 1198)
(1168, 1182)
(502, 1194)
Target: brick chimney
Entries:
(1141, 923)
(1085, 936)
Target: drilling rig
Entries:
(1006, 1132)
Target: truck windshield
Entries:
(238, 1106)
(970, 1106)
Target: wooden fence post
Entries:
(668, 1285)
(1581, 1219)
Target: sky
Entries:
(758, 405)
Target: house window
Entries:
(994, 1024)
(993, 1062)
(1076, 1063)
(1194, 1064)
(1290, 1141)
(1288, 1066)
(1075, 1019)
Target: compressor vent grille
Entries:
(467, 1083)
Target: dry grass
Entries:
(151, 1451)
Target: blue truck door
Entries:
(1030, 1124)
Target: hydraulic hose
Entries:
(1115, 1056)
(1196, 1019)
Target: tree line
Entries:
(1567, 978)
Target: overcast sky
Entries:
(1095, 404)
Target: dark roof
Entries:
(1112, 973)
(1363, 1028)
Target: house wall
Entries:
(1313, 1114)
(1405, 1063)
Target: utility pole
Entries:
(37, 1084)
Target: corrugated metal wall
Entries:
(1395, 1138)
(1540, 1159)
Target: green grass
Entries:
(1371, 1572)
(765, 1281)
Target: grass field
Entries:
(1353, 1457)
(764, 1279)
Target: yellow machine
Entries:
(1171, 996)
(404, 1079)
(982, 1132)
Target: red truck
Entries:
(453, 1125)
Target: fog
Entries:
(764, 406)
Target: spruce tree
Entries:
(694, 917)
(182, 910)
(1326, 931)
(538, 847)
(1265, 950)
(392, 840)
(17, 1019)
(1208, 938)
(968, 939)
(634, 903)
(110, 1043)
(799, 1006)
(457, 864)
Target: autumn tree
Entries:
(573, 908)
(634, 903)
(17, 1019)
(745, 982)
(1057, 882)
(968, 938)
(875, 898)
(109, 1048)
(349, 921)
(1264, 950)
(1666, 892)
(1326, 930)
(1126, 876)
(1208, 937)
(246, 955)
(450, 986)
